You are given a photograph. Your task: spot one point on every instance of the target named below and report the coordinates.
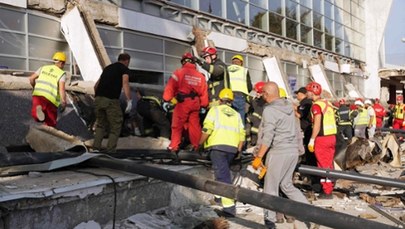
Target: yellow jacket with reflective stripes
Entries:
(46, 84)
(328, 125)
(237, 76)
(362, 118)
(224, 126)
(399, 111)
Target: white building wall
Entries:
(376, 16)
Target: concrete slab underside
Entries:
(63, 199)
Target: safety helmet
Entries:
(208, 51)
(259, 87)
(282, 93)
(358, 102)
(342, 101)
(59, 56)
(187, 57)
(226, 93)
(314, 87)
(238, 56)
(400, 98)
(367, 101)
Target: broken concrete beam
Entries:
(9, 82)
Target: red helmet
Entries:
(400, 98)
(187, 57)
(314, 87)
(259, 87)
(208, 51)
(342, 101)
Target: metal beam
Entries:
(304, 212)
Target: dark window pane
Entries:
(306, 16)
(328, 26)
(140, 42)
(211, 6)
(339, 46)
(306, 35)
(257, 17)
(318, 38)
(328, 42)
(44, 27)
(236, 10)
(317, 21)
(291, 29)
(12, 43)
(11, 20)
(275, 6)
(291, 9)
(276, 23)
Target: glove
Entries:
(311, 145)
(167, 106)
(257, 162)
(129, 106)
(203, 110)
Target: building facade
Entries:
(156, 33)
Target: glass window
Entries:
(338, 15)
(306, 3)
(182, 2)
(317, 21)
(13, 63)
(44, 27)
(317, 6)
(12, 43)
(12, 20)
(339, 46)
(259, 3)
(172, 63)
(212, 7)
(339, 31)
(145, 61)
(291, 29)
(146, 43)
(255, 63)
(110, 38)
(306, 16)
(306, 34)
(328, 26)
(291, 9)
(276, 23)
(258, 17)
(328, 10)
(45, 48)
(146, 77)
(135, 5)
(329, 42)
(275, 6)
(176, 49)
(318, 39)
(236, 10)
(113, 54)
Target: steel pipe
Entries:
(304, 212)
(311, 170)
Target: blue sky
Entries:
(394, 32)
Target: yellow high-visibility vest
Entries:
(328, 123)
(237, 76)
(46, 84)
(399, 111)
(224, 125)
(362, 117)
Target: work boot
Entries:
(40, 114)
(269, 225)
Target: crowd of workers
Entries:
(225, 115)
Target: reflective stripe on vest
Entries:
(227, 126)
(237, 76)
(328, 118)
(152, 98)
(399, 111)
(46, 84)
(362, 117)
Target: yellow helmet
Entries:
(239, 57)
(282, 93)
(60, 56)
(226, 93)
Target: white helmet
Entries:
(367, 101)
(358, 102)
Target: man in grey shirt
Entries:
(278, 138)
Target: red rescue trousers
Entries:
(397, 124)
(186, 112)
(49, 109)
(379, 121)
(324, 153)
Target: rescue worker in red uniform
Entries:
(186, 87)
(379, 113)
(399, 110)
(323, 137)
(219, 76)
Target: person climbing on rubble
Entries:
(254, 115)
(361, 120)
(344, 121)
(380, 113)
(323, 137)
(399, 110)
(113, 79)
(241, 84)
(223, 135)
(219, 75)
(278, 139)
(371, 125)
(149, 107)
(49, 90)
(187, 89)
